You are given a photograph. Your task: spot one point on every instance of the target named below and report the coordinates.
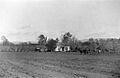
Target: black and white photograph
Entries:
(59, 38)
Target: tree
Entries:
(74, 43)
(4, 40)
(51, 44)
(66, 38)
(42, 39)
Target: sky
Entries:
(25, 20)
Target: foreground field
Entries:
(58, 65)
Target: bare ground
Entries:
(58, 65)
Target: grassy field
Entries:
(58, 65)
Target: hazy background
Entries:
(24, 20)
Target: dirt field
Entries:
(58, 65)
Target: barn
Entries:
(61, 48)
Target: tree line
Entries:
(90, 46)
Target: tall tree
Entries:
(74, 43)
(66, 38)
(42, 39)
(4, 40)
(51, 44)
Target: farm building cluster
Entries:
(57, 49)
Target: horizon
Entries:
(25, 20)
(82, 40)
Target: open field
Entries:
(58, 65)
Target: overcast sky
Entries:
(24, 20)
